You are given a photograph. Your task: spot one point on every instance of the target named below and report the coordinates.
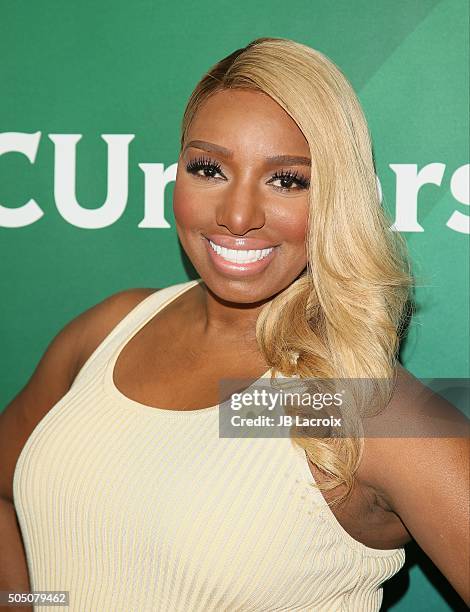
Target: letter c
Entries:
(19, 142)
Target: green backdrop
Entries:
(101, 69)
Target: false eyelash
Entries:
(203, 162)
(289, 175)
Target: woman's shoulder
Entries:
(97, 322)
(417, 429)
(417, 409)
(55, 373)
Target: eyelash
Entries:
(201, 163)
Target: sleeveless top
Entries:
(134, 508)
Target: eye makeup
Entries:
(211, 167)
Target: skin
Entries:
(244, 202)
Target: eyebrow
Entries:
(210, 147)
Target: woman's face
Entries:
(241, 196)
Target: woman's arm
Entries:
(425, 478)
(13, 572)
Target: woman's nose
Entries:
(241, 209)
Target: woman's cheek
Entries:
(291, 223)
(185, 205)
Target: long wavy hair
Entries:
(343, 317)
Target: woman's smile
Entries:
(238, 261)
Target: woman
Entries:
(126, 495)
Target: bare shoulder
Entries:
(415, 423)
(415, 411)
(98, 321)
(55, 373)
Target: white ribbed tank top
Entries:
(133, 508)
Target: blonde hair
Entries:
(343, 317)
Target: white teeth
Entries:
(240, 256)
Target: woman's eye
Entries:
(204, 168)
(289, 181)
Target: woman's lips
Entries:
(237, 270)
(239, 242)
